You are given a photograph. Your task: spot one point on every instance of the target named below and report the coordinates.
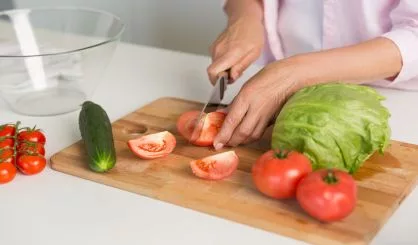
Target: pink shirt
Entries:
(298, 26)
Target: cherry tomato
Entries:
(277, 174)
(207, 129)
(7, 143)
(31, 147)
(7, 172)
(7, 155)
(31, 136)
(215, 167)
(327, 195)
(7, 130)
(31, 164)
(153, 145)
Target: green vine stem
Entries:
(330, 177)
(15, 143)
(281, 154)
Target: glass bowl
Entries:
(52, 59)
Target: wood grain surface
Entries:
(384, 181)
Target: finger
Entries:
(232, 120)
(224, 62)
(243, 64)
(246, 128)
(258, 132)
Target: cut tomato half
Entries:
(153, 146)
(207, 129)
(215, 167)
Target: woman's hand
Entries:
(237, 47)
(258, 102)
(264, 94)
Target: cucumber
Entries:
(96, 132)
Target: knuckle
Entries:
(244, 132)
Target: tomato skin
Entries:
(7, 130)
(30, 164)
(7, 172)
(207, 130)
(7, 143)
(278, 177)
(31, 147)
(7, 155)
(153, 146)
(327, 202)
(35, 136)
(215, 167)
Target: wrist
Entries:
(251, 10)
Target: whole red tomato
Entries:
(7, 172)
(7, 155)
(6, 143)
(277, 174)
(30, 135)
(327, 195)
(31, 164)
(31, 147)
(7, 130)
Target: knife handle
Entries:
(226, 73)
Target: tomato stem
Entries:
(281, 154)
(15, 143)
(330, 178)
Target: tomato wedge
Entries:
(153, 146)
(208, 127)
(215, 167)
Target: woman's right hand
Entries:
(238, 46)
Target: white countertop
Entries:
(55, 208)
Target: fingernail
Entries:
(218, 146)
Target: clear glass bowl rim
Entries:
(82, 9)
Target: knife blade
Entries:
(214, 102)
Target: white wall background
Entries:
(184, 25)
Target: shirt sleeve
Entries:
(404, 34)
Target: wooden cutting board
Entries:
(384, 181)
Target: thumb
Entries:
(232, 120)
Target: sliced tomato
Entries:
(207, 129)
(7, 130)
(215, 167)
(6, 143)
(31, 164)
(7, 172)
(153, 146)
(31, 147)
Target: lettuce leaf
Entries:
(335, 125)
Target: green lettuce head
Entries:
(335, 125)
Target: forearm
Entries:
(368, 61)
(236, 9)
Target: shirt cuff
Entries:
(407, 41)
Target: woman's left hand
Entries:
(257, 103)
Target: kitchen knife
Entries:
(213, 104)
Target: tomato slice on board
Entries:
(6, 143)
(215, 167)
(7, 172)
(208, 127)
(31, 164)
(153, 146)
(7, 130)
